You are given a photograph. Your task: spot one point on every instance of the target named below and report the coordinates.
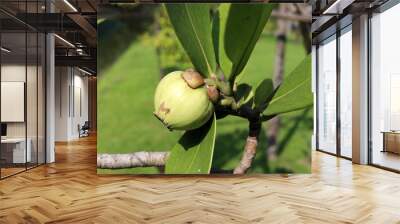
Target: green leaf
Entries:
(295, 91)
(194, 151)
(192, 25)
(218, 29)
(244, 25)
(263, 94)
(244, 94)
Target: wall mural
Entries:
(203, 89)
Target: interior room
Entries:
(71, 102)
(22, 98)
(48, 119)
(385, 89)
(48, 84)
(336, 78)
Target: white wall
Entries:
(71, 93)
(33, 125)
(15, 73)
(12, 101)
(62, 82)
(80, 88)
(12, 73)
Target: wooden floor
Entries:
(387, 159)
(69, 191)
(10, 171)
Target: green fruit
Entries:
(179, 106)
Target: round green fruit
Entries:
(180, 104)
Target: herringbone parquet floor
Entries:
(69, 191)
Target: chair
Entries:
(84, 130)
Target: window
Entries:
(346, 92)
(334, 93)
(22, 78)
(327, 95)
(385, 89)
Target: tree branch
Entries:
(281, 37)
(250, 148)
(244, 111)
(131, 160)
(304, 9)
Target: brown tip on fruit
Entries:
(193, 78)
(212, 93)
(158, 117)
(162, 121)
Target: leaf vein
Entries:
(198, 39)
(289, 92)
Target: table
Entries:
(391, 141)
(18, 149)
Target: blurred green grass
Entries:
(126, 123)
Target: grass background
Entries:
(126, 123)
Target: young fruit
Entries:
(181, 106)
